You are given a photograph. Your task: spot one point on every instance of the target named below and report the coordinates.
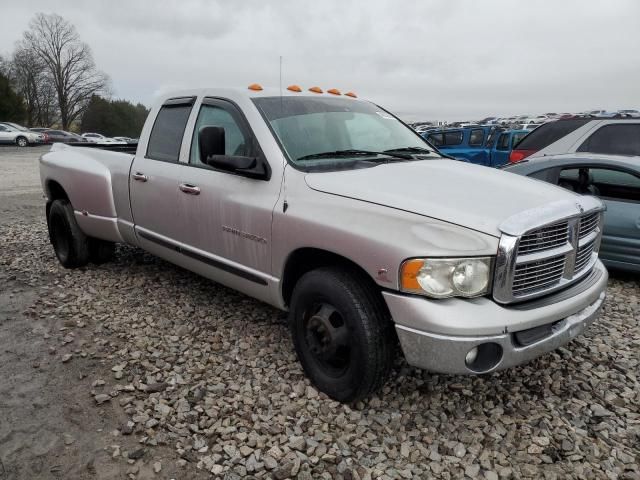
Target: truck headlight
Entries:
(446, 277)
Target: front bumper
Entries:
(426, 343)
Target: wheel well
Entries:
(55, 191)
(304, 260)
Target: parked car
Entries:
(600, 113)
(615, 180)
(101, 139)
(629, 113)
(60, 136)
(368, 236)
(126, 139)
(18, 135)
(615, 137)
(476, 144)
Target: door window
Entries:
(476, 139)
(436, 139)
(503, 142)
(453, 138)
(168, 130)
(616, 139)
(603, 182)
(236, 142)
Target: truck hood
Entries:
(460, 193)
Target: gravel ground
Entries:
(139, 368)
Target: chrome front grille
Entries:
(536, 260)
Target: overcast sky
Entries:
(445, 59)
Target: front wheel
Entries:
(342, 333)
(22, 142)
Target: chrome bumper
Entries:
(444, 352)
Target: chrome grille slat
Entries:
(534, 267)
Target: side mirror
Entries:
(211, 142)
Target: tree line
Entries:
(51, 79)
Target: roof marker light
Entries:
(334, 91)
(255, 87)
(351, 94)
(294, 88)
(315, 90)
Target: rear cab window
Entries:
(168, 129)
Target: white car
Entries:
(19, 135)
(630, 113)
(101, 139)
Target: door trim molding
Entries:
(163, 242)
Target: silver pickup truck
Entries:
(329, 207)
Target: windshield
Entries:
(331, 133)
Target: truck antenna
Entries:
(281, 107)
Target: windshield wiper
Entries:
(409, 149)
(354, 153)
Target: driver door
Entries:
(226, 216)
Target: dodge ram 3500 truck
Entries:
(330, 207)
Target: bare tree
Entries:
(68, 63)
(32, 80)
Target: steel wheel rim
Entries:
(327, 338)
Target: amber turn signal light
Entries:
(409, 274)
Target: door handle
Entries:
(189, 189)
(140, 177)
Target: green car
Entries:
(615, 179)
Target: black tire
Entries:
(22, 142)
(69, 242)
(100, 251)
(342, 333)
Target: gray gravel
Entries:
(212, 374)
(193, 380)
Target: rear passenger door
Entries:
(154, 178)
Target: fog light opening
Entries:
(484, 357)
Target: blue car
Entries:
(482, 145)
